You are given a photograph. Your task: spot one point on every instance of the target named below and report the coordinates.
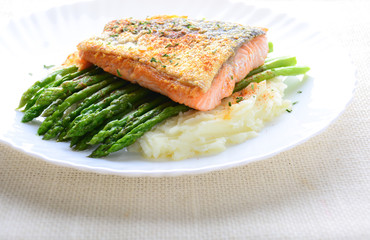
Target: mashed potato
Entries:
(196, 133)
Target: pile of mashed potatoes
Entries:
(196, 133)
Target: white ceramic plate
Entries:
(47, 37)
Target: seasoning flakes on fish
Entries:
(194, 62)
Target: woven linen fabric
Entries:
(318, 190)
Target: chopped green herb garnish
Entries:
(168, 45)
(289, 110)
(164, 66)
(176, 64)
(299, 91)
(252, 86)
(239, 99)
(153, 60)
(165, 55)
(48, 66)
(294, 103)
(118, 73)
(232, 77)
(114, 35)
(229, 104)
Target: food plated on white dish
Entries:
(129, 162)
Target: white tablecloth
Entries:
(317, 190)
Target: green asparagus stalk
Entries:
(81, 83)
(276, 63)
(271, 73)
(54, 131)
(139, 120)
(47, 98)
(93, 99)
(121, 132)
(108, 100)
(140, 130)
(42, 83)
(78, 96)
(74, 141)
(57, 82)
(82, 143)
(116, 125)
(60, 125)
(120, 104)
(53, 93)
(51, 109)
(271, 47)
(103, 103)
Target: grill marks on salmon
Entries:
(193, 62)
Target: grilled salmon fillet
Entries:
(193, 62)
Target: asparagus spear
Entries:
(103, 103)
(42, 83)
(108, 100)
(49, 121)
(140, 130)
(139, 120)
(93, 98)
(275, 63)
(54, 131)
(271, 47)
(268, 74)
(82, 143)
(44, 97)
(81, 83)
(114, 126)
(94, 108)
(53, 93)
(61, 124)
(131, 125)
(57, 82)
(51, 109)
(120, 104)
(48, 97)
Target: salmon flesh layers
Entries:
(194, 62)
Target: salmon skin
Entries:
(193, 62)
